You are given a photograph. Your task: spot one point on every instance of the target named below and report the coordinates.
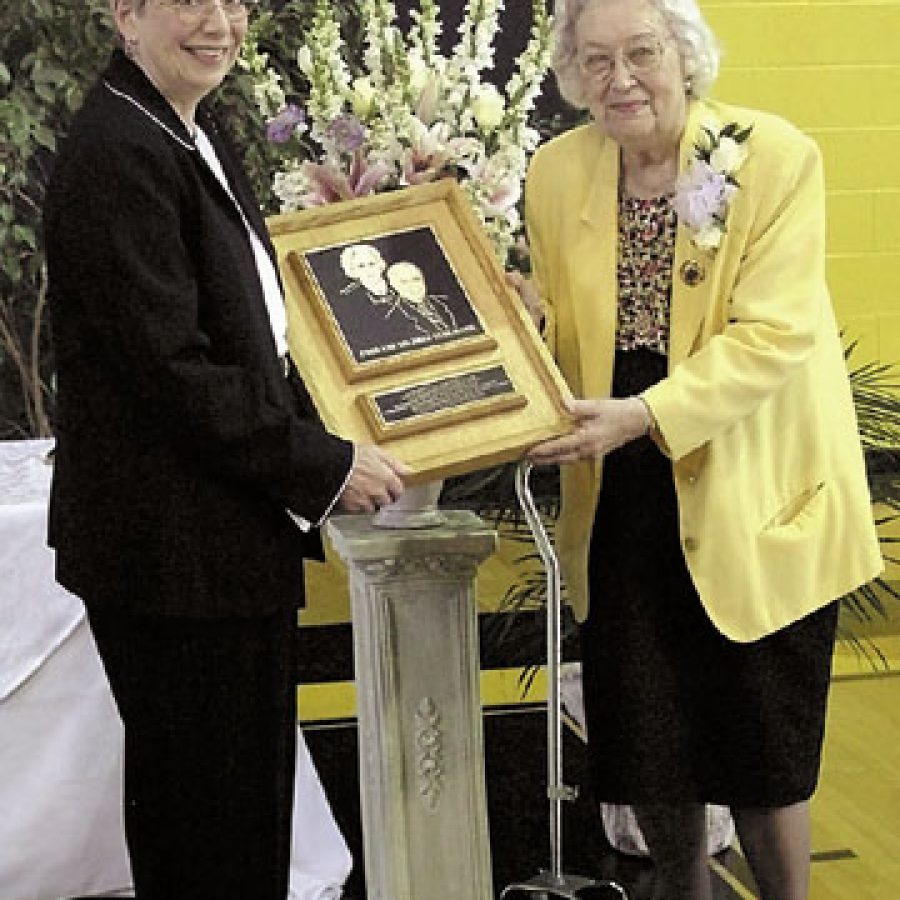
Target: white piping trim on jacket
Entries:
(150, 115)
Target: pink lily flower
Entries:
(331, 184)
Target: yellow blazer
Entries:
(756, 411)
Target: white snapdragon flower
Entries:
(485, 29)
(426, 30)
(291, 187)
(525, 83)
(475, 50)
(512, 158)
(267, 90)
(379, 39)
(269, 95)
(530, 138)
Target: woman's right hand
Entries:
(375, 481)
(529, 295)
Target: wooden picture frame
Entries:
(407, 335)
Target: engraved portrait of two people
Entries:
(393, 294)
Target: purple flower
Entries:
(702, 196)
(347, 132)
(281, 128)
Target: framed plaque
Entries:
(407, 335)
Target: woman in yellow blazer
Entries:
(678, 255)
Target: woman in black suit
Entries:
(191, 467)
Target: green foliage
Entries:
(876, 398)
(50, 51)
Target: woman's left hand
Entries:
(526, 290)
(601, 425)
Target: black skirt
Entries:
(676, 712)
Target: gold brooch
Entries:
(692, 272)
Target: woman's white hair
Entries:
(697, 45)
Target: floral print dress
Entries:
(646, 249)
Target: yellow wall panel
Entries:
(818, 97)
(864, 222)
(887, 223)
(778, 34)
(864, 333)
(861, 159)
(889, 337)
(863, 283)
(851, 221)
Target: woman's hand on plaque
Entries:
(599, 427)
(527, 292)
(375, 480)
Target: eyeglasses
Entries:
(641, 54)
(196, 10)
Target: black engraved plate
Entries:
(430, 397)
(442, 401)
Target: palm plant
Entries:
(876, 396)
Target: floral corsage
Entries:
(706, 188)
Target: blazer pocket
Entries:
(799, 509)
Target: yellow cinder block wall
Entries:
(833, 68)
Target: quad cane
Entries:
(553, 883)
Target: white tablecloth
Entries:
(60, 735)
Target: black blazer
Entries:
(180, 442)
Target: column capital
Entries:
(384, 554)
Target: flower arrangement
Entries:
(706, 188)
(405, 113)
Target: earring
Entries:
(130, 46)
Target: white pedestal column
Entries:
(421, 756)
